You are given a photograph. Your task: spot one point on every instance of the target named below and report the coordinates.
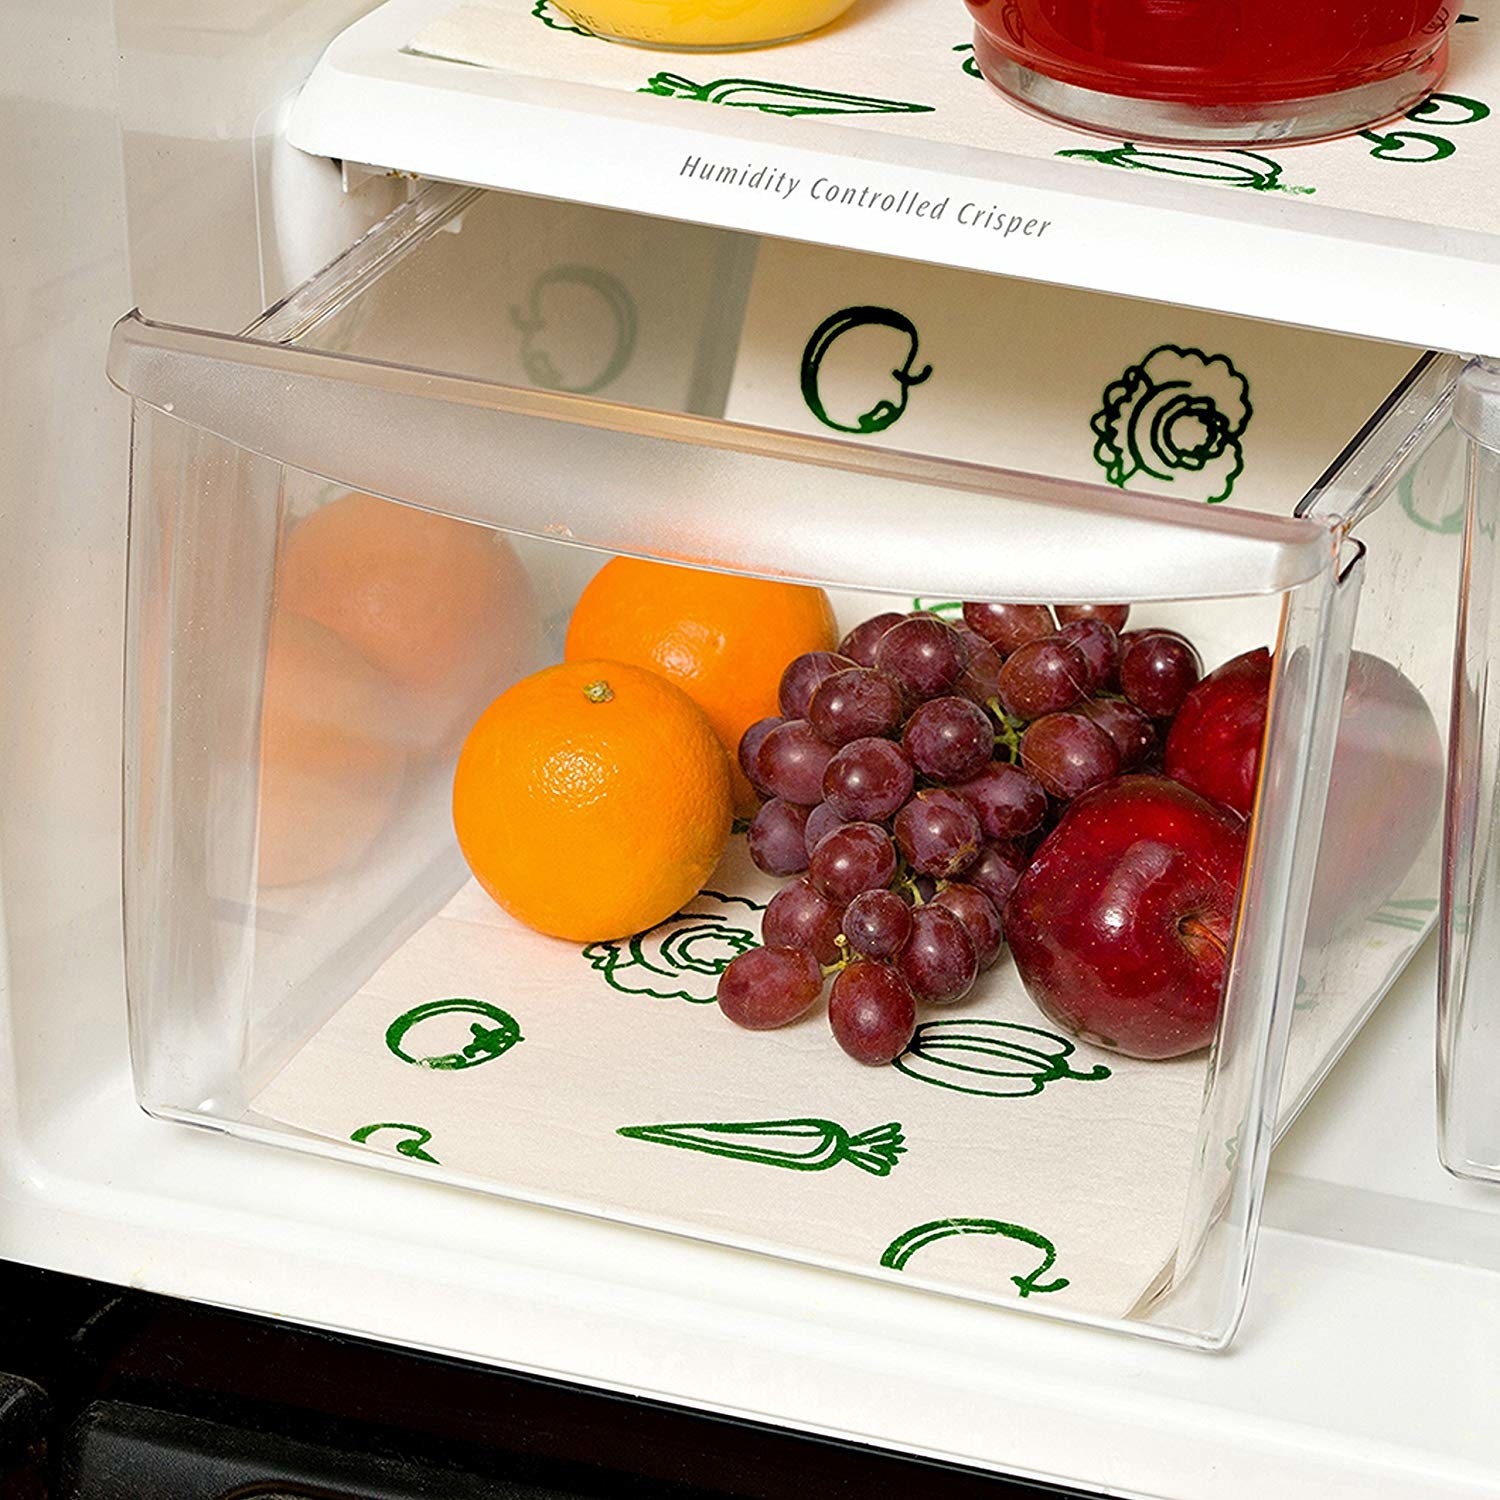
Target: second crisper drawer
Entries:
(1147, 864)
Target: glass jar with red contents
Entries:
(1214, 72)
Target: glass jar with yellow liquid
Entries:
(703, 25)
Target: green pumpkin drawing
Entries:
(441, 1034)
(1177, 417)
(859, 367)
(578, 329)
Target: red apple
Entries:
(1214, 743)
(1121, 926)
(1385, 795)
(1386, 788)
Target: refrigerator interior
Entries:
(1357, 1216)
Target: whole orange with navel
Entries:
(592, 800)
(723, 639)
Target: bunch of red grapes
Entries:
(907, 783)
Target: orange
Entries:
(442, 607)
(724, 640)
(329, 777)
(591, 800)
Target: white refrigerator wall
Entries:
(138, 138)
(223, 217)
(63, 473)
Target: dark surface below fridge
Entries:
(115, 1395)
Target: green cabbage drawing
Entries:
(682, 958)
(1177, 416)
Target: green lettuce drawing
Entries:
(683, 957)
(1177, 416)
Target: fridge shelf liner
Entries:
(999, 1159)
(906, 67)
(877, 134)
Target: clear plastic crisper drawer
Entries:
(1468, 1033)
(498, 429)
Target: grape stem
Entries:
(1009, 737)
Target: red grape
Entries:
(939, 961)
(857, 857)
(938, 833)
(803, 674)
(749, 744)
(996, 872)
(868, 780)
(1100, 647)
(778, 838)
(1043, 677)
(1069, 753)
(980, 682)
(1008, 801)
(768, 987)
(790, 761)
(859, 645)
(924, 656)
(877, 924)
(1008, 627)
(949, 739)
(1113, 615)
(872, 1012)
(1133, 733)
(981, 921)
(821, 821)
(855, 705)
(1158, 670)
(801, 917)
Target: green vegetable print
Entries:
(549, 15)
(885, 412)
(682, 958)
(901, 1249)
(776, 98)
(1177, 416)
(1447, 111)
(970, 63)
(417, 1137)
(571, 286)
(486, 1044)
(992, 1059)
(801, 1145)
(1238, 169)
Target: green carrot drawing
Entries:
(776, 98)
(996, 1059)
(904, 1246)
(806, 1145)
